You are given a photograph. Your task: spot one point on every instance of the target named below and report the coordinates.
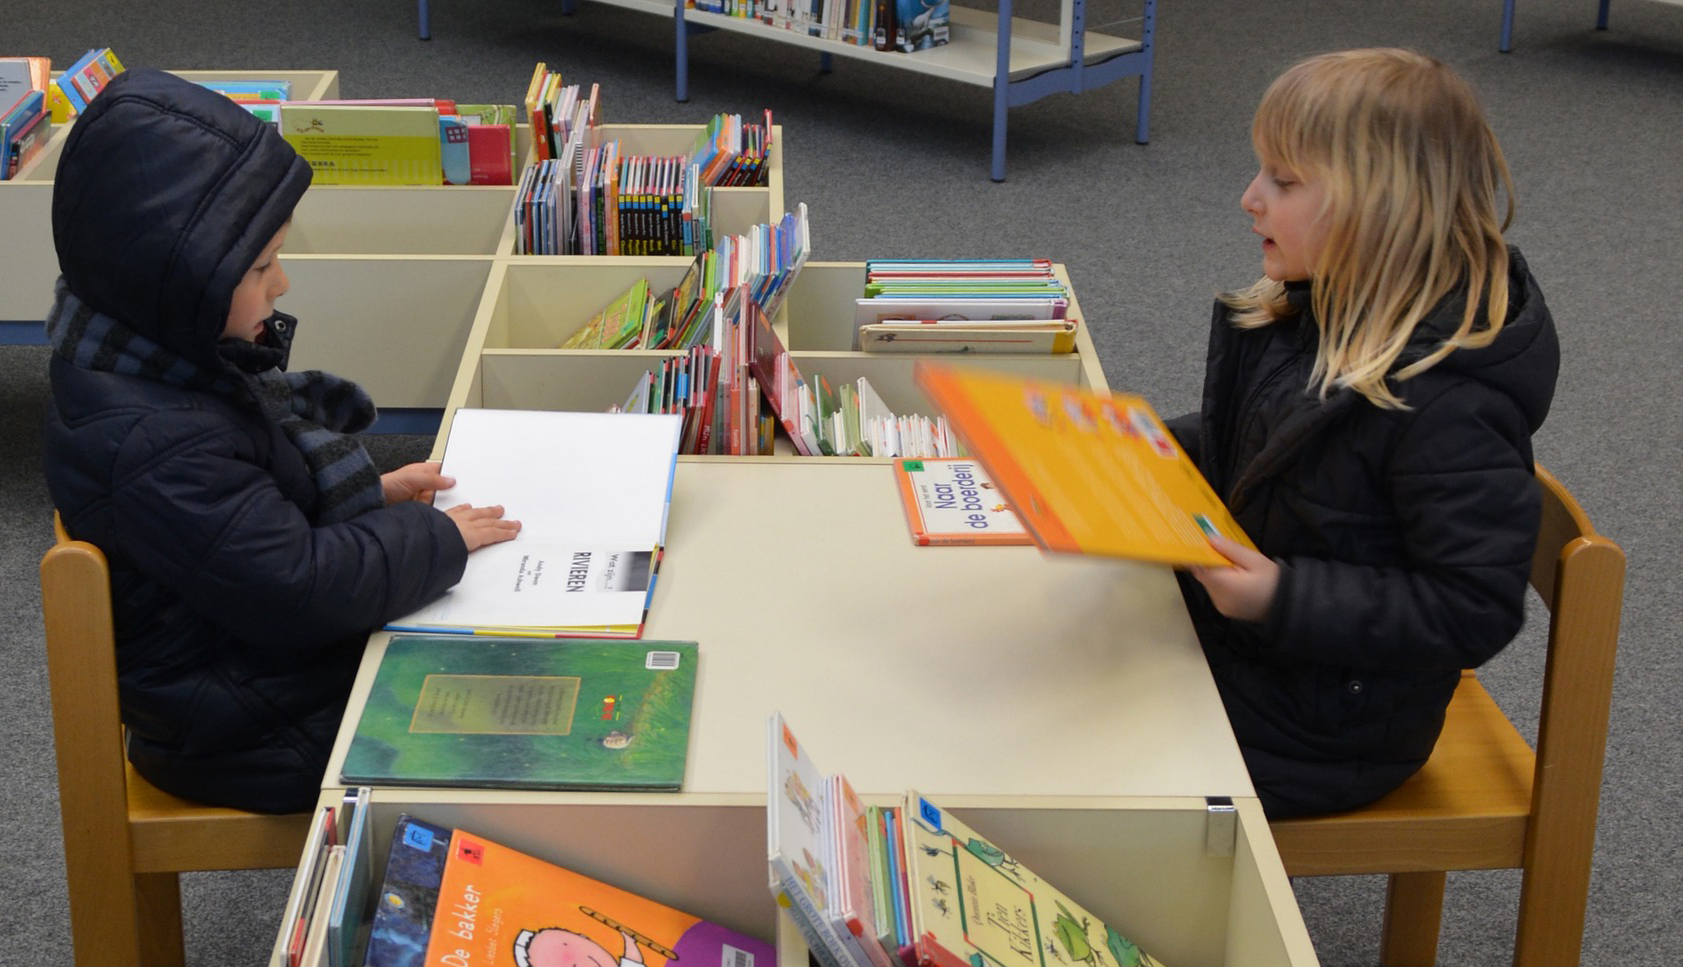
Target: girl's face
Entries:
(1285, 209)
(254, 297)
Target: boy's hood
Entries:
(165, 195)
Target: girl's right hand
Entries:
(482, 525)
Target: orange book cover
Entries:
(498, 906)
(1087, 472)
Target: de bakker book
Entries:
(474, 902)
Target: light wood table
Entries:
(1061, 705)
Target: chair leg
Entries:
(1413, 915)
(157, 901)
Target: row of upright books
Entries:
(903, 25)
(912, 885)
(587, 195)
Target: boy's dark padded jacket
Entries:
(239, 622)
(1405, 538)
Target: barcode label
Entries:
(664, 661)
(733, 956)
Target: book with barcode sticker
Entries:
(499, 907)
(526, 713)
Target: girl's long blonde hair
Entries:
(1411, 173)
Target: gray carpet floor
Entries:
(895, 165)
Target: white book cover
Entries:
(591, 492)
(799, 861)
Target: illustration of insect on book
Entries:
(972, 905)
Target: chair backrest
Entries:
(82, 672)
(1580, 576)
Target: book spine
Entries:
(820, 940)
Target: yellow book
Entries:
(1087, 472)
(350, 143)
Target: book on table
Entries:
(951, 500)
(453, 897)
(1086, 472)
(526, 713)
(911, 885)
(590, 491)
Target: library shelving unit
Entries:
(28, 264)
(1021, 60)
(386, 280)
(533, 304)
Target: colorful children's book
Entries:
(350, 143)
(499, 907)
(951, 500)
(1087, 472)
(526, 713)
(408, 899)
(795, 848)
(617, 325)
(974, 906)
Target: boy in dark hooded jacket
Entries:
(252, 542)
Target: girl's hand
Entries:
(1245, 591)
(417, 481)
(482, 525)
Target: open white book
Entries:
(591, 492)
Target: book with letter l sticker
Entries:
(526, 713)
(973, 905)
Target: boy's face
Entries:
(254, 297)
(1285, 209)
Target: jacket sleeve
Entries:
(202, 517)
(1468, 507)
(1185, 429)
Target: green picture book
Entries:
(526, 713)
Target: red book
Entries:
(489, 159)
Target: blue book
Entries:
(409, 894)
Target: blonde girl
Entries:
(1367, 416)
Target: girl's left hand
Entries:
(417, 481)
(1245, 591)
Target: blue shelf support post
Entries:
(683, 40)
(1001, 89)
(1148, 47)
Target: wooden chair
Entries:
(125, 840)
(1484, 800)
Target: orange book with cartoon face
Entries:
(498, 906)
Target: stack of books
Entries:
(963, 306)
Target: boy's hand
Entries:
(417, 481)
(1244, 591)
(482, 525)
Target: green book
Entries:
(526, 713)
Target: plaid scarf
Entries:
(316, 410)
